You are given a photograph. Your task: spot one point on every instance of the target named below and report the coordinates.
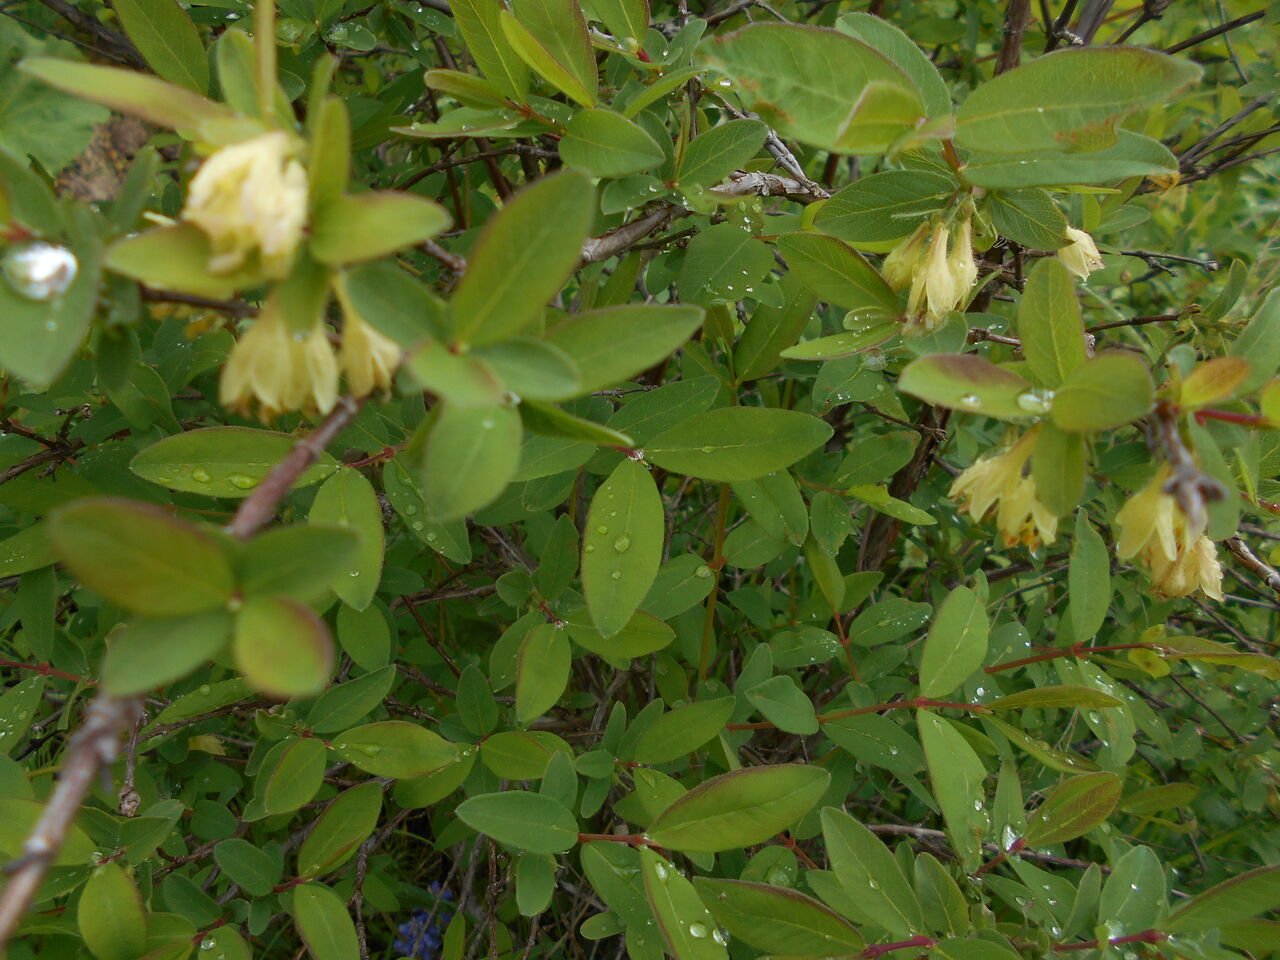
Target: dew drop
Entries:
(970, 400)
(702, 572)
(589, 548)
(418, 524)
(205, 690)
(708, 449)
(719, 937)
(616, 575)
(1033, 402)
(661, 871)
(432, 537)
(602, 529)
(39, 271)
(206, 944)
(698, 931)
(200, 475)
(242, 481)
(622, 544)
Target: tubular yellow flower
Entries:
(940, 277)
(280, 371)
(250, 199)
(999, 483)
(368, 358)
(1178, 554)
(901, 263)
(1080, 256)
(963, 268)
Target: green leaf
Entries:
(1058, 468)
(781, 701)
(1050, 325)
(395, 748)
(626, 19)
(347, 703)
(294, 777)
(324, 924)
(470, 456)
(965, 382)
(738, 443)
(401, 488)
(1259, 342)
(345, 824)
(1074, 808)
(956, 645)
(252, 869)
(282, 648)
(222, 461)
(606, 144)
(1055, 696)
(776, 919)
(329, 154)
(621, 545)
(1069, 100)
(643, 634)
(973, 948)
(882, 35)
(47, 124)
(143, 96)
(1134, 895)
(723, 263)
(367, 226)
(868, 871)
(523, 258)
(18, 818)
(479, 25)
(1029, 217)
(533, 369)
(38, 337)
(533, 822)
(141, 557)
(542, 671)
(845, 344)
(739, 808)
(461, 379)
(614, 344)
(348, 500)
(774, 502)
(298, 561)
(110, 915)
(394, 303)
(167, 39)
(152, 651)
(712, 155)
(884, 206)
(773, 329)
(838, 274)
(957, 776)
(1088, 580)
(551, 37)
(1109, 390)
(18, 706)
(1132, 156)
(683, 730)
(1239, 898)
(818, 86)
(687, 927)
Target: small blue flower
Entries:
(421, 936)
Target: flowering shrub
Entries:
(708, 480)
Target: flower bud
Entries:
(1080, 256)
(250, 200)
(900, 265)
(1002, 483)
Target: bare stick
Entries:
(258, 508)
(91, 748)
(1253, 563)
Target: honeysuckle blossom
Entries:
(1080, 256)
(1003, 483)
(368, 358)
(939, 273)
(1180, 557)
(250, 199)
(279, 370)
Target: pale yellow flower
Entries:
(940, 276)
(368, 358)
(279, 370)
(250, 199)
(1180, 557)
(1080, 256)
(901, 263)
(1004, 484)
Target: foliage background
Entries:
(415, 705)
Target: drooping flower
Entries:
(250, 199)
(367, 357)
(1003, 483)
(280, 370)
(939, 273)
(1080, 256)
(1154, 528)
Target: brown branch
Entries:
(454, 261)
(257, 509)
(91, 748)
(1015, 25)
(621, 238)
(1254, 564)
(50, 455)
(1216, 31)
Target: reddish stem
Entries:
(1001, 857)
(632, 839)
(1077, 650)
(1245, 419)
(916, 703)
(43, 669)
(878, 949)
(1146, 936)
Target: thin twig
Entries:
(1248, 559)
(1216, 31)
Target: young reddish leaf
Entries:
(1074, 808)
